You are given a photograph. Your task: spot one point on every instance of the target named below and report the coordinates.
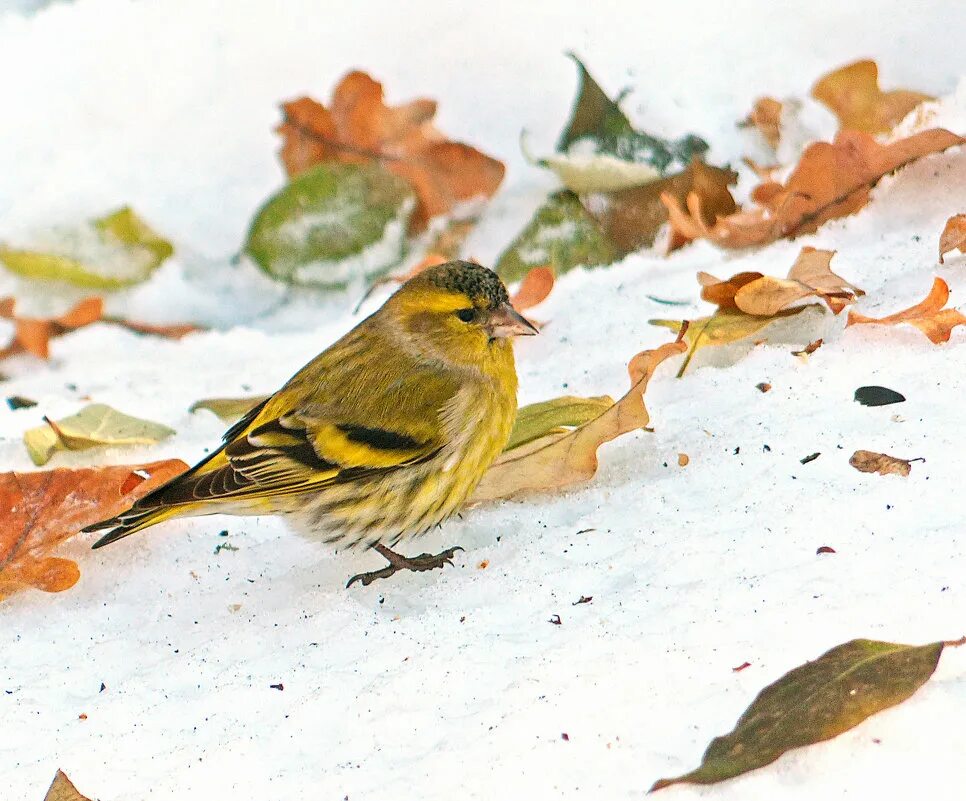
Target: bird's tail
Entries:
(132, 521)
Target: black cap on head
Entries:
(473, 280)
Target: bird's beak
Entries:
(505, 321)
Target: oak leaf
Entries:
(764, 295)
(852, 93)
(561, 459)
(830, 181)
(40, 510)
(358, 127)
(953, 236)
(929, 316)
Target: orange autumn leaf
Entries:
(765, 116)
(929, 316)
(33, 334)
(953, 236)
(40, 510)
(765, 296)
(534, 288)
(853, 95)
(830, 181)
(359, 127)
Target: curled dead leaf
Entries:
(853, 95)
(929, 316)
(953, 236)
(881, 463)
(40, 510)
(830, 181)
(561, 459)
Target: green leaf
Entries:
(554, 417)
(228, 409)
(599, 121)
(93, 426)
(816, 701)
(562, 235)
(332, 224)
(107, 253)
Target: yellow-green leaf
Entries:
(93, 426)
(228, 409)
(107, 253)
(62, 789)
(722, 328)
(554, 417)
(125, 226)
(816, 701)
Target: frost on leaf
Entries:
(598, 127)
(830, 181)
(40, 510)
(563, 458)
(561, 234)
(359, 128)
(107, 253)
(814, 702)
(953, 236)
(929, 316)
(331, 224)
(853, 95)
(96, 425)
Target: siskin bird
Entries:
(380, 437)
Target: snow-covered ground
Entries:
(454, 684)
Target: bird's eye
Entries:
(466, 315)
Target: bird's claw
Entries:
(397, 562)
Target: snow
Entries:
(454, 684)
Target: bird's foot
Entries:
(397, 562)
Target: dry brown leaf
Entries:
(562, 459)
(881, 463)
(683, 460)
(534, 288)
(766, 117)
(33, 334)
(809, 349)
(359, 127)
(853, 95)
(929, 316)
(830, 181)
(62, 788)
(764, 295)
(953, 236)
(631, 218)
(40, 510)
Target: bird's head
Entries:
(459, 313)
